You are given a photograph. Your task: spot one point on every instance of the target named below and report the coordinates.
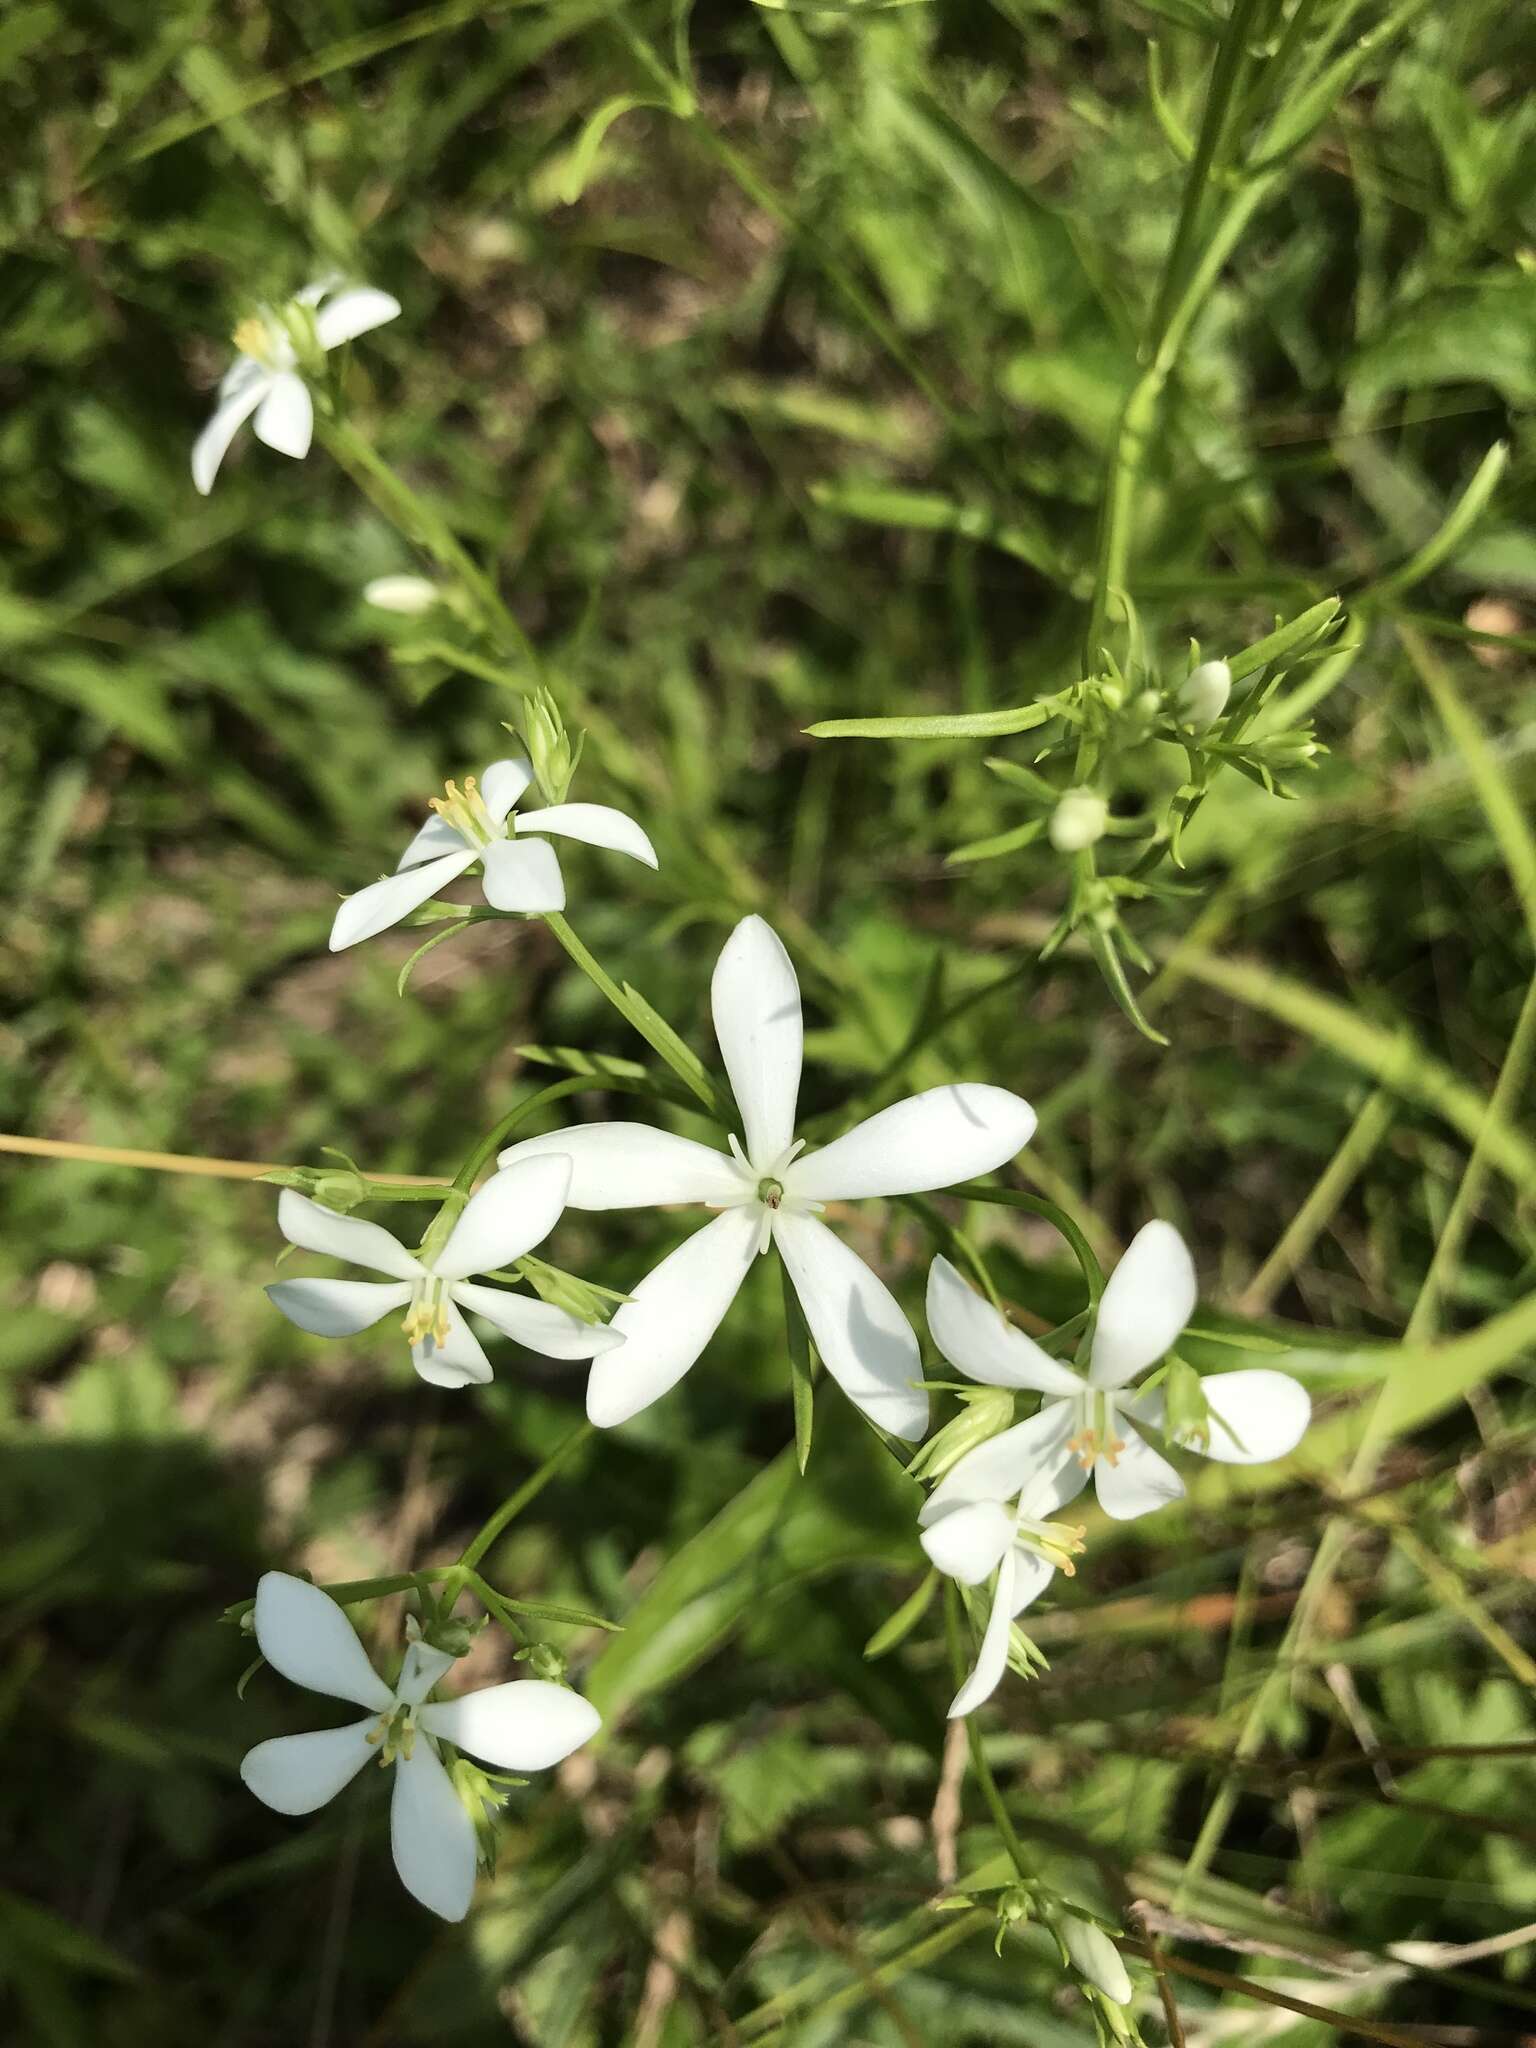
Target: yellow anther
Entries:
(254, 338)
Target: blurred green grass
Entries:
(667, 411)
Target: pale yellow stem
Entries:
(181, 1162)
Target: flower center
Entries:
(254, 338)
(427, 1316)
(1096, 1436)
(395, 1734)
(464, 809)
(770, 1192)
(1057, 1542)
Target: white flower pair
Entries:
(992, 1512)
(525, 1725)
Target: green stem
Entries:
(979, 1764)
(496, 1136)
(640, 1017)
(1037, 1205)
(514, 1504)
(424, 527)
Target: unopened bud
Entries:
(1094, 1957)
(1013, 1905)
(1186, 1412)
(1204, 693)
(1289, 749)
(549, 745)
(985, 1412)
(455, 1638)
(341, 1188)
(544, 1661)
(1078, 820)
(408, 595)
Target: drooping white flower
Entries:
(1203, 694)
(266, 377)
(409, 596)
(1084, 1425)
(971, 1539)
(1095, 1957)
(525, 1725)
(515, 1210)
(768, 1193)
(479, 823)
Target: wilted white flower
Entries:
(1094, 1957)
(1203, 696)
(408, 595)
(479, 823)
(514, 1210)
(1084, 1425)
(267, 375)
(769, 1194)
(525, 1725)
(1078, 820)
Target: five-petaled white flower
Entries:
(1084, 1424)
(265, 377)
(770, 1195)
(525, 1725)
(479, 823)
(515, 1210)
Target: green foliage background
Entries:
(788, 403)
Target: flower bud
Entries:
(408, 595)
(1094, 1957)
(1186, 1412)
(1204, 693)
(985, 1412)
(549, 745)
(544, 1661)
(1078, 820)
(455, 1638)
(341, 1188)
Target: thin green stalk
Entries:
(514, 1504)
(424, 527)
(639, 1015)
(979, 1764)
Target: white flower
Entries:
(1083, 1424)
(1203, 694)
(265, 376)
(971, 1539)
(408, 595)
(1078, 820)
(514, 1211)
(526, 1725)
(768, 1194)
(478, 823)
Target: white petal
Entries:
(929, 1141)
(525, 1725)
(983, 1344)
(355, 311)
(305, 1635)
(992, 1659)
(1031, 1453)
(432, 1836)
(381, 904)
(597, 824)
(337, 1308)
(297, 1773)
(285, 418)
(968, 1543)
(516, 1209)
(755, 999)
(1255, 1416)
(537, 1324)
(236, 404)
(634, 1166)
(317, 1229)
(865, 1341)
(1095, 1957)
(1140, 1481)
(459, 1361)
(1150, 1297)
(435, 838)
(1032, 1573)
(670, 1318)
(420, 1669)
(502, 784)
(522, 875)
